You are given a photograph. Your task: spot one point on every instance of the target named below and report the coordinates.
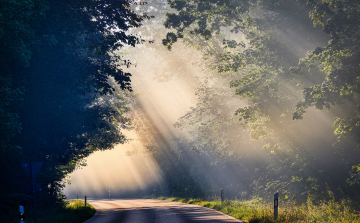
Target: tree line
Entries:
(54, 107)
(282, 61)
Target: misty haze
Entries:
(248, 107)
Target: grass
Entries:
(55, 211)
(257, 210)
(73, 211)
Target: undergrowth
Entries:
(257, 210)
(73, 211)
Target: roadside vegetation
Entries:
(73, 211)
(258, 210)
(54, 72)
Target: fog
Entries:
(113, 170)
(164, 84)
(207, 149)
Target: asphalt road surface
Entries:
(153, 211)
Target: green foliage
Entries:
(257, 210)
(258, 66)
(58, 102)
(48, 209)
(9, 124)
(171, 38)
(73, 212)
(262, 63)
(208, 16)
(18, 20)
(339, 61)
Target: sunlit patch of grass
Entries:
(257, 210)
(75, 205)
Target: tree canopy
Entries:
(279, 76)
(55, 70)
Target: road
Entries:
(153, 211)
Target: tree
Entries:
(339, 61)
(55, 78)
(261, 63)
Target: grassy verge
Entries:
(54, 211)
(256, 210)
(72, 212)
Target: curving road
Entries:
(153, 211)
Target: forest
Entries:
(274, 90)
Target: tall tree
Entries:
(55, 78)
(261, 63)
(341, 86)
